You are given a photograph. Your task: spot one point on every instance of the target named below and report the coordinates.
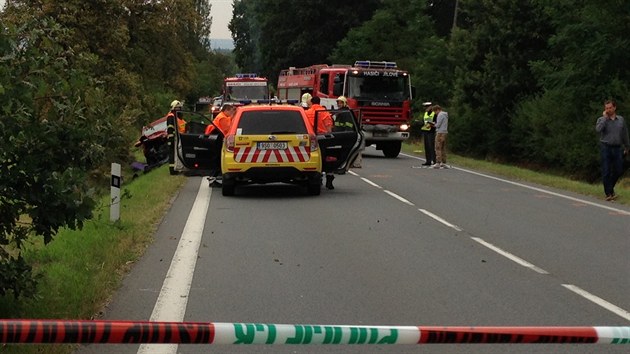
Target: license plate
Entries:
(272, 145)
(380, 134)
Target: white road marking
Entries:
(599, 301)
(430, 214)
(399, 197)
(171, 303)
(371, 183)
(536, 189)
(510, 256)
(365, 180)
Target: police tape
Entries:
(136, 332)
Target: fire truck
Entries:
(244, 88)
(378, 89)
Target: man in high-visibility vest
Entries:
(176, 106)
(223, 121)
(428, 134)
(325, 125)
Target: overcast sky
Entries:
(221, 14)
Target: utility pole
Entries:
(455, 15)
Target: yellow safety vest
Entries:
(428, 118)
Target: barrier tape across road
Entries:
(130, 332)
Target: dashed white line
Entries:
(599, 301)
(510, 256)
(399, 197)
(433, 216)
(593, 298)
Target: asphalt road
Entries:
(393, 244)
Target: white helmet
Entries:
(305, 99)
(176, 105)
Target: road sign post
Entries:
(114, 211)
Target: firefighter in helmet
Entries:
(305, 101)
(176, 107)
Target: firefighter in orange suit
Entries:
(176, 106)
(223, 120)
(324, 121)
(325, 125)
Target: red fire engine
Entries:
(380, 90)
(245, 88)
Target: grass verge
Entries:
(81, 269)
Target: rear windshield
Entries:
(272, 122)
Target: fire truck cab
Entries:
(378, 89)
(245, 88)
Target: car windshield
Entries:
(272, 122)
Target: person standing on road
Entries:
(614, 144)
(441, 132)
(324, 125)
(223, 120)
(222, 123)
(324, 120)
(428, 134)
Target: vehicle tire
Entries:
(314, 188)
(392, 149)
(228, 188)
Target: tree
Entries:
(585, 66)
(271, 35)
(402, 31)
(244, 37)
(493, 45)
(77, 80)
(49, 141)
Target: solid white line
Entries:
(430, 214)
(171, 303)
(620, 211)
(398, 197)
(599, 301)
(510, 256)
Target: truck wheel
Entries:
(392, 149)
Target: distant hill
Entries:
(216, 43)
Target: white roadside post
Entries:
(114, 211)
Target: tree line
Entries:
(522, 81)
(78, 79)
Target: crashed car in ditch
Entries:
(154, 143)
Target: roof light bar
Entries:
(246, 75)
(375, 64)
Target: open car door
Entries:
(340, 147)
(192, 150)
